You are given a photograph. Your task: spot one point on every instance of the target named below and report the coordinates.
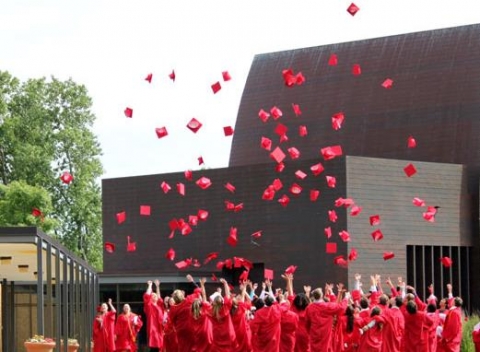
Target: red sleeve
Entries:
(394, 292)
(420, 304)
(374, 298)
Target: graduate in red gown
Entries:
(179, 316)
(350, 326)
(201, 325)
(240, 307)
(298, 305)
(415, 323)
(224, 339)
(452, 328)
(319, 319)
(126, 329)
(104, 328)
(372, 335)
(266, 327)
(431, 332)
(394, 326)
(170, 343)
(153, 308)
(476, 337)
(288, 326)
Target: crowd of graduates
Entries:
(329, 319)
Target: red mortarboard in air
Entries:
(229, 206)
(170, 255)
(263, 115)
(300, 174)
(356, 70)
(411, 142)
(238, 207)
(295, 189)
(228, 264)
(203, 182)
(173, 224)
(188, 175)
(281, 129)
(128, 112)
(356, 295)
(294, 153)
(165, 187)
(332, 215)
(388, 255)
(109, 247)
(230, 187)
(202, 214)
(226, 76)
(283, 138)
(183, 263)
(278, 155)
(429, 215)
(331, 181)
(353, 255)
(214, 277)
(299, 79)
(410, 170)
(269, 193)
(149, 78)
(374, 220)
(185, 228)
(331, 152)
(37, 212)
(418, 202)
(220, 265)
(266, 143)
(228, 131)
(291, 269)
(193, 220)
(344, 235)
(181, 188)
(216, 87)
(302, 131)
(232, 237)
(257, 234)
(446, 262)
(333, 60)
(276, 113)
(268, 274)
(196, 263)
(387, 84)
(194, 125)
(210, 257)
(131, 246)
(66, 178)
(277, 184)
(288, 77)
(296, 109)
(172, 75)
(121, 217)
(200, 160)
(284, 200)
(353, 9)
(331, 248)
(317, 169)
(377, 235)
(340, 261)
(328, 232)
(237, 262)
(279, 167)
(243, 276)
(343, 202)
(161, 132)
(145, 210)
(337, 120)
(314, 193)
(355, 210)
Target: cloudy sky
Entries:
(111, 45)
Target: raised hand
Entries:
(189, 278)
(157, 283)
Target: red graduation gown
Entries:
(180, 318)
(288, 328)
(266, 329)
(202, 329)
(302, 340)
(104, 332)
(393, 330)
(371, 340)
(414, 338)
(242, 327)
(350, 339)
(170, 343)
(154, 314)
(126, 330)
(452, 331)
(224, 339)
(476, 340)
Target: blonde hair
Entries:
(178, 296)
(196, 308)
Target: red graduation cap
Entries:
(109, 247)
(429, 215)
(232, 237)
(37, 212)
(268, 274)
(331, 152)
(353, 255)
(131, 246)
(278, 155)
(388, 255)
(230, 187)
(340, 261)
(411, 142)
(228, 131)
(216, 87)
(302, 131)
(331, 181)
(314, 193)
(283, 138)
(149, 78)
(288, 77)
(200, 160)
(284, 200)
(331, 248)
(281, 129)
(269, 193)
(172, 75)
(344, 235)
(214, 277)
(238, 207)
(356, 70)
(226, 76)
(193, 220)
(165, 187)
(446, 262)
(299, 79)
(337, 120)
(418, 202)
(173, 224)
(377, 235)
(263, 115)
(161, 132)
(276, 113)
(188, 175)
(294, 153)
(317, 169)
(279, 167)
(237, 262)
(340, 202)
(410, 170)
(387, 84)
(210, 256)
(228, 264)
(266, 143)
(121, 217)
(170, 255)
(277, 184)
(333, 60)
(257, 234)
(332, 215)
(202, 214)
(194, 125)
(291, 269)
(203, 182)
(128, 112)
(185, 229)
(296, 109)
(355, 210)
(145, 210)
(328, 232)
(66, 178)
(243, 276)
(196, 263)
(183, 263)
(353, 9)
(296, 189)
(300, 174)
(181, 188)
(374, 220)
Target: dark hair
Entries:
(349, 312)
(269, 300)
(383, 300)
(375, 311)
(411, 307)
(317, 294)
(259, 303)
(458, 302)
(398, 301)
(364, 303)
(301, 301)
(431, 308)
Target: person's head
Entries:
(375, 311)
(217, 301)
(103, 308)
(154, 298)
(196, 308)
(258, 304)
(443, 304)
(398, 301)
(349, 313)
(126, 309)
(383, 300)
(301, 301)
(178, 296)
(269, 300)
(409, 297)
(458, 302)
(411, 307)
(171, 302)
(431, 308)
(317, 294)
(364, 303)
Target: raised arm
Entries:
(226, 288)
(190, 279)
(112, 308)
(202, 286)
(157, 287)
(149, 287)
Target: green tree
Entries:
(45, 130)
